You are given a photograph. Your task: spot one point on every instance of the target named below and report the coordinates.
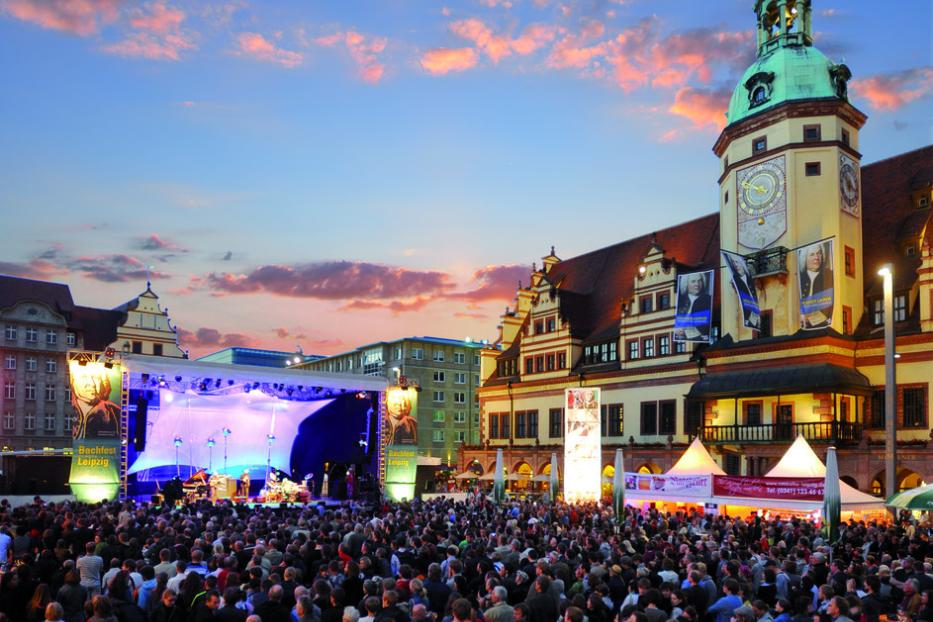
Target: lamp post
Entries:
(271, 439)
(178, 442)
(890, 384)
(226, 432)
(210, 454)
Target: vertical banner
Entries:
(401, 429)
(694, 307)
(582, 445)
(744, 285)
(96, 398)
(815, 277)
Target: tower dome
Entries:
(788, 67)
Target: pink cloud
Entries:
(497, 282)
(80, 17)
(440, 61)
(205, 339)
(533, 38)
(393, 306)
(498, 46)
(155, 242)
(364, 50)
(41, 269)
(893, 90)
(157, 34)
(255, 45)
(113, 268)
(161, 18)
(702, 107)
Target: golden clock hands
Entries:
(756, 188)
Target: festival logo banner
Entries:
(582, 445)
(668, 486)
(787, 488)
(694, 307)
(815, 277)
(96, 395)
(744, 284)
(401, 429)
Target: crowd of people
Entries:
(446, 561)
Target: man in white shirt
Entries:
(181, 571)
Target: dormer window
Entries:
(759, 88)
(759, 95)
(645, 304)
(600, 353)
(923, 202)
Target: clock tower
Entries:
(789, 179)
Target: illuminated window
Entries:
(664, 345)
(680, 347)
(914, 404)
(439, 416)
(759, 145)
(877, 312)
(647, 347)
(846, 320)
(850, 261)
(900, 307)
(633, 350)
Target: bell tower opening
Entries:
(783, 22)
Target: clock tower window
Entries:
(811, 133)
(760, 145)
(813, 169)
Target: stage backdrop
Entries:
(96, 397)
(582, 445)
(400, 428)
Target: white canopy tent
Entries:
(696, 461)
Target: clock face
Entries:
(762, 203)
(849, 185)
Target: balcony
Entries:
(814, 432)
(768, 262)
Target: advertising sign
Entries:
(694, 307)
(815, 277)
(582, 445)
(95, 398)
(744, 285)
(668, 486)
(787, 488)
(401, 429)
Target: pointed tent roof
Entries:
(801, 461)
(696, 461)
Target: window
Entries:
(551, 324)
(693, 417)
(32, 335)
(731, 463)
(725, 197)
(459, 358)
(459, 397)
(812, 169)
(877, 312)
(645, 304)
(664, 345)
(29, 421)
(647, 346)
(649, 418)
(850, 261)
(70, 339)
(9, 421)
(437, 436)
(439, 416)
(539, 327)
(613, 423)
(31, 364)
(811, 133)
(759, 96)
(475, 380)
(137, 347)
(438, 396)
(397, 354)
(600, 353)
(550, 361)
(900, 307)
(561, 360)
(539, 363)
(913, 400)
(923, 202)
(668, 417)
(504, 421)
(438, 356)
(759, 145)
(49, 422)
(9, 361)
(157, 349)
(459, 378)
(460, 416)
(30, 391)
(9, 390)
(461, 436)
(529, 364)
(846, 320)
(476, 360)
(51, 337)
(664, 300)
(845, 137)
(417, 354)
(633, 350)
(767, 323)
(680, 347)
(494, 425)
(51, 366)
(520, 424)
(556, 423)
(10, 333)
(752, 413)
(440, 376)
(876, 416)
(49, 393)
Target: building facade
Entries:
(259, 357)
(448, 374)
(805, 218)
(41, 323)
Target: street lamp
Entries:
(890, 384)
(226, 433)
(210, 459)
(178, 442)
(271, 439)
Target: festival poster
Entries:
(401, 454)
(815, 279)
(694, 318)
(96, 397)
(668, 486)
(582, 445)
(787, 488)
(744, 284)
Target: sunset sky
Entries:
(335, 173)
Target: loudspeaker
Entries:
(140, 423)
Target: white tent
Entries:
(696, 461)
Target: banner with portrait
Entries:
(582, 445)
(400, 429)
(96, 400)
(694, 318)
(815, 279)
(744, 284)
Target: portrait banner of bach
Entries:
(744, 284)
(815, 276)
(694, 316)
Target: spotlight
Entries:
(230, 383)
(227, 431)
(108, 365)
(177, 378)
(289, 390)
(217, 383)
(178, 441)
(361, 395)
(270, 438)
(162, 382)
(301, 387)
(82, 363)
(210, 442)
(202, 387)
(247, 387)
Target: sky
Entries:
(332, 174)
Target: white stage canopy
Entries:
(696, 461)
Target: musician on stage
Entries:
(244, 484)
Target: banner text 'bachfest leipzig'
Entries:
(582, 448)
